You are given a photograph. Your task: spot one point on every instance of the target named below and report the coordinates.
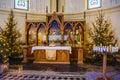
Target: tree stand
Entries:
(104, 76)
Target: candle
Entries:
(20, 68)
(40, 38)
(62, 8)
(116, 48)
(101, 48)
(94, 47)
(46, 9)
(80, 40)
(110, 48)
(101, 45)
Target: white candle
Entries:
(80, 40)
(110, 48)
(94, 47)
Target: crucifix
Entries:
(57, 5)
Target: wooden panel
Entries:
(62, 57)
(80, 56)
(74, 55)
(29, 54)
(77, 55)
(39, 55)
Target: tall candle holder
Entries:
(104, 50)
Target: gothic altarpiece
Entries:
(55, 32)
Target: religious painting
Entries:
(94, 4)
(54, 33)
(41, 35)
(78, 34)
(21, 4)
(68, 36)
(32, 35)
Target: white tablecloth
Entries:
(51, 48)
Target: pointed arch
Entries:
(54, 17)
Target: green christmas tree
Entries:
(101, 33)
(11, 37)
(3, 49)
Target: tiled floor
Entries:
(41, 72)
(41, 75)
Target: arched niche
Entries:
(54, 33)
(79, 34)
(54, 28)
(41, 34)
(68, 33)
(31, 34)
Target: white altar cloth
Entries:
(51, 48)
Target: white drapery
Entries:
(51, 48)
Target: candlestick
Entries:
(62, 8)
(40, 38)
(26, 16)
(20, 68)
(80, 40)
(46, 9)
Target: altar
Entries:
(67, 39)
(51, 54)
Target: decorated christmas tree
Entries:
(10, 38)
(3, 50)
(101, 33)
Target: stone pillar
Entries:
(25, 54)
